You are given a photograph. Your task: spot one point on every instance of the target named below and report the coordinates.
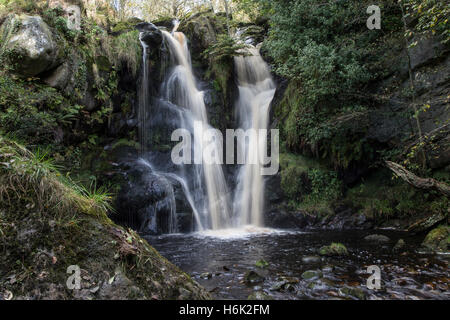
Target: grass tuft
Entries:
(32, 180)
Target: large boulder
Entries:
(146, 202)
(438, 239)
(29, 44)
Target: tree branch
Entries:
(418, 182)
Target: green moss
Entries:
(438, 239)
(125, 26)
(334, 249)
(33, 111)
(126, 143)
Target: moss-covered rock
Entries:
(399, 246)
(253, 277)
(380, 238)
(312, 274)
(438, 239)
(29, 44)
(259, 295)
(334, 249)
(353, 292)
(48, 224)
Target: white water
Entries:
(180, 88)
(143, 99)
(256, 92)
(204, 185)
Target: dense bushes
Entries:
(33, 111)
(308, 185)
(324, 49)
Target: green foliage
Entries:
(383, 197)
(224, 49)
(33, 111)
(36, 175)
(55, 18)
(308, 185)
(126, 49)
(327, 53)
(220, 56)
(17, 6)
(325, 185)
(431, 15)
(252, 9)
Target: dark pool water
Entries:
(220, 265)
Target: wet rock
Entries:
(399, 246)
(253, 277)
(259, 295)
(206, 275)
(29, 44)
(284, 283)
(438, 239)
(427, 49)
(152, 38)
(311, 259)
(59, 77)
(334, 249)
(184, 294)
(312, 274)
(377, 238)
(146, 202)
(328, 268)
(117, 288)
(354, 292)
(277, 286)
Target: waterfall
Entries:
(180, 88)
(256, 92)
(181, 105)
(144, 99)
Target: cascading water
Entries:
(143, 98)
(180, 88)
(256, 92)
(181, 105)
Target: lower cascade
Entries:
(181, 105)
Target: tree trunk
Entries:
(227, 12)
(418, 182)
(413, 87)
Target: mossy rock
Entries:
(29, 45)
(259, 295)
(334, 249)
(312, 274)
(125, 26)
(48, 224)
(378, 238)
(399, 246)
(251, 277)
(354, 292)
(438, 239)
